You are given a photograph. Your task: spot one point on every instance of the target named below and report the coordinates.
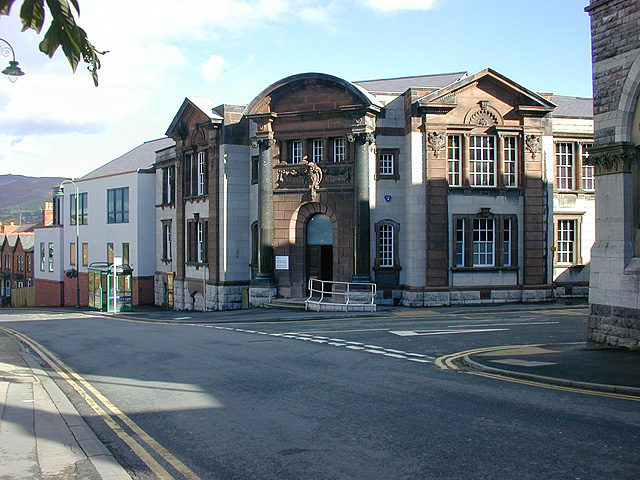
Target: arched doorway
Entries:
(319, 248)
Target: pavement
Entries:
(43, 437)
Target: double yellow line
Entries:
(145, 446)
(452, 362)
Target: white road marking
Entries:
(337, 342)
(411, 333)
(505, 324)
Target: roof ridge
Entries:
(411, 76)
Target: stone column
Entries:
(362, 221)
(265, 211)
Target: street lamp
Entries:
(13, 70)
(60, 193)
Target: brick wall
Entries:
(49, 293)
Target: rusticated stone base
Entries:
(474, 297)
(259, 296)
(612, 326)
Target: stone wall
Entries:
(614, 294)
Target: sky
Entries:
(56, 123)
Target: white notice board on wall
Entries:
(282, 262)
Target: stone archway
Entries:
(297, 241)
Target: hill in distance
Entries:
(24, 197)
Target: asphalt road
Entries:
(357, 398)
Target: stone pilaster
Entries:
(362, 213)
(265, 210)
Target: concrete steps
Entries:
(288, 303)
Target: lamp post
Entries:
(13, 71)
(60, 193)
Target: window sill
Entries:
(395, 268)
(387, 177)
(197, 265)
(484, 269)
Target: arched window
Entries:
(387, 264)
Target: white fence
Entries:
(341, 296)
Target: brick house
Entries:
(439, 188)
(16, 269)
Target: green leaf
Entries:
(32, 15)
(5, 6)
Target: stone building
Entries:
(615, 269)
(438, 188)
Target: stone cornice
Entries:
(612, 158)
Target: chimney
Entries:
(47, 214)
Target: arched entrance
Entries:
(319, 248)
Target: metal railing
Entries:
(327, 295)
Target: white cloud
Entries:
(393, 5)
(214, 66)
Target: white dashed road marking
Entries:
(341, 343)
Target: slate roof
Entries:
(401, 84)
(141, 157)
(572, 106)
(28, 242)
(207, 106)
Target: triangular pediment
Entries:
(496, 84)
(193, 110)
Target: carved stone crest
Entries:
(533, 144)
(314, 175)
(437, 141)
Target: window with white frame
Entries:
(483, 242)
(566, 241)
(43, 256)
(200, 249)
(166, 241)
(296, 151)
(459, 254)
(339, 150)
(197, 232)
(168, 188)
(564, 165)
(454, 160)
(317, 150)
(507, 242)
(510, 165)
(588, 171)
(386, 245)
(385, 166)
(50, 255)
(201, 174)
(482, 161)
(82, 209)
